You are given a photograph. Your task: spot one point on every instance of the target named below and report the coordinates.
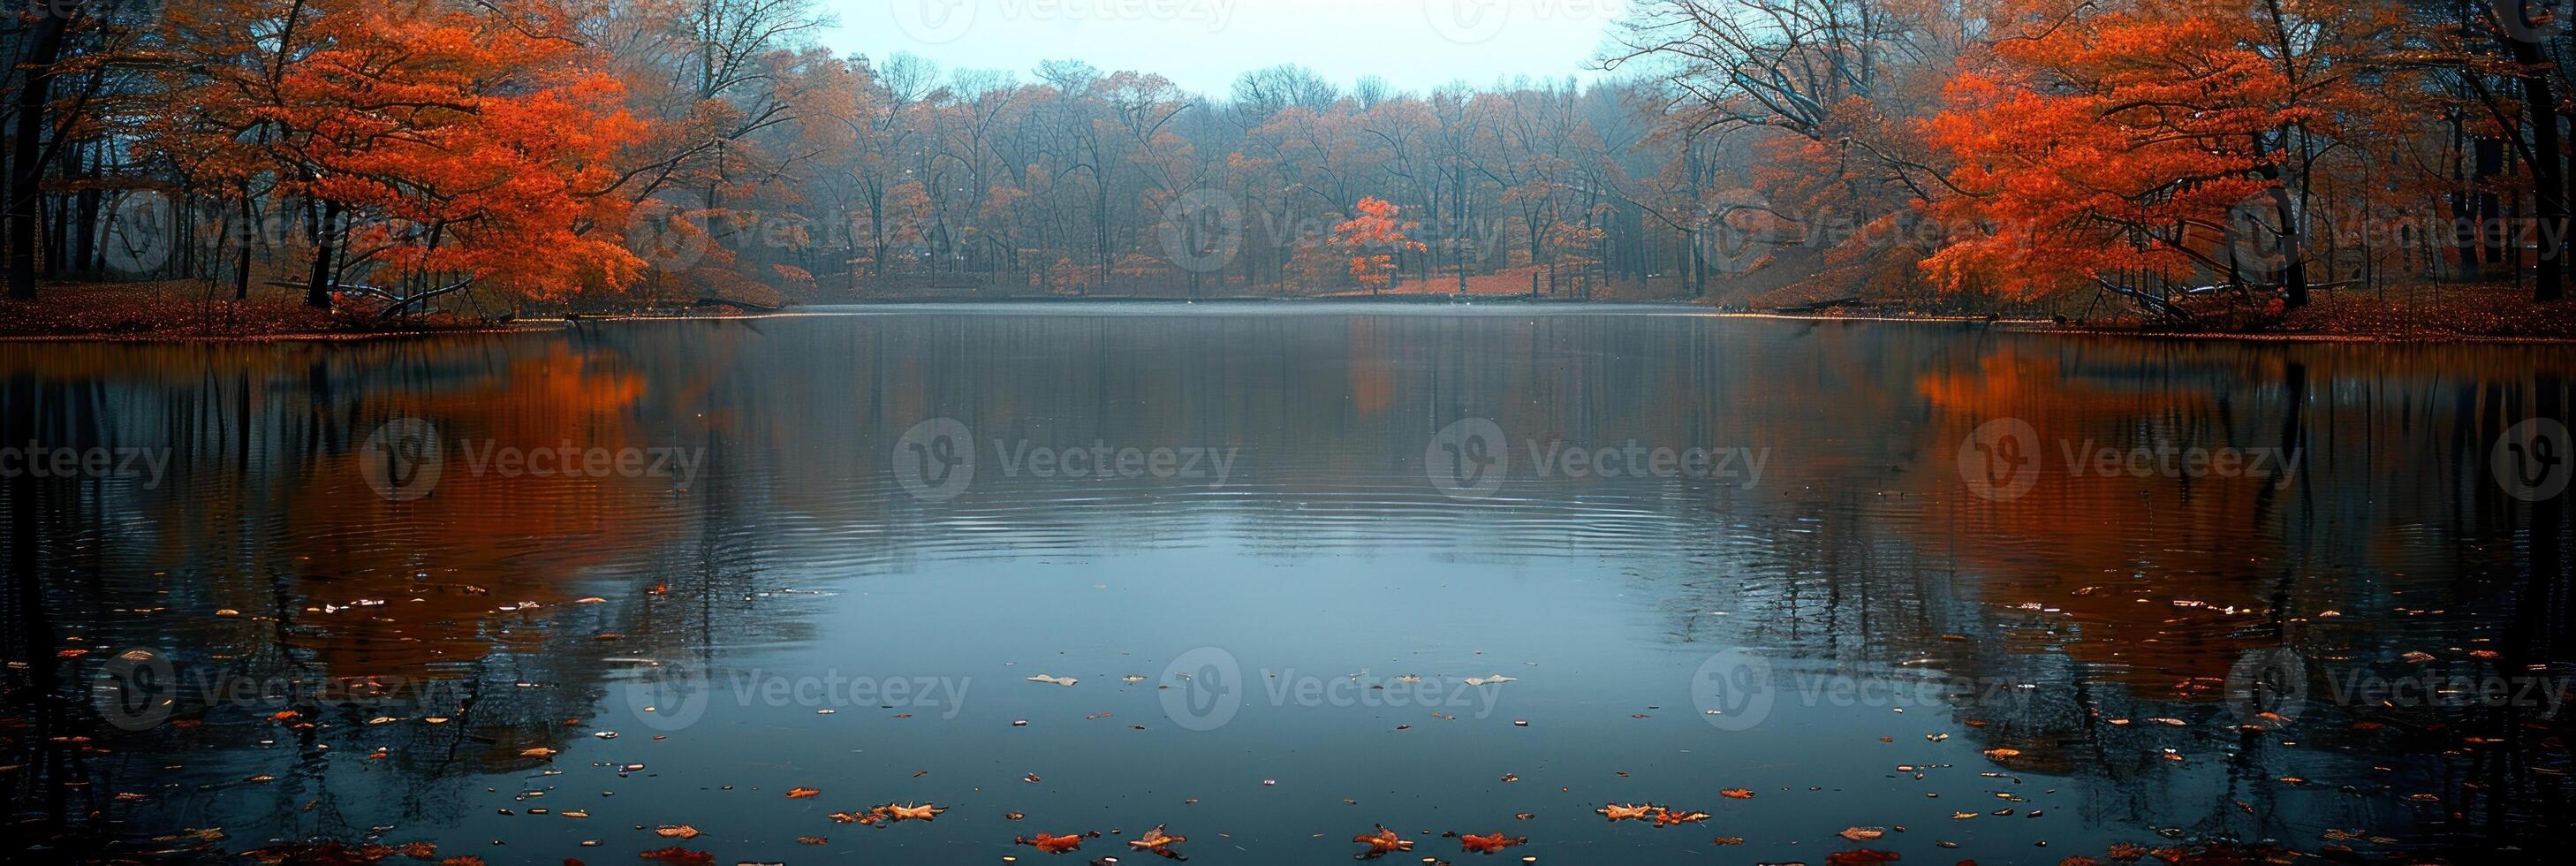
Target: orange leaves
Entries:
(802, 793)
(1666, 817)
(1487, 844)
(459, 144)
(1055, 844)
(2129, 139)
(1374, 228)
(1382, 843)
(1618, 812)
(1159, 843)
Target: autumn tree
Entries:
(1372, 237)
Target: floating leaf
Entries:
(1382, 843)
(1487, 844)
(1159, 843)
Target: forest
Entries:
(2181, 161)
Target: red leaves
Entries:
(1859, 857)
(679, 855)
(1055, 844)
(1487, 844)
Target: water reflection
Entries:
(2073, 631)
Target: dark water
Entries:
(1807, 567)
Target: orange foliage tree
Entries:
(2147, 137)
(431, 147)
(1372, 238)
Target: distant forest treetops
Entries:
(2188, 161)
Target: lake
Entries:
(1941, 590)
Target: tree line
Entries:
(2187, 158)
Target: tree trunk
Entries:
(318, 293)
(2548, 191)
(27, 161)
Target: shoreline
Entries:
(1641, 306)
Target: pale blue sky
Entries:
(1203, 44)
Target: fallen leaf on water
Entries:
(1497, 678)
(1617, 812)
(1861, 834)
(1487, 844)
(2417, 656)
(2000, 754)
(1157, 842)
(1382, 843)
(678, 831)
(1858, 857)
(1055, 844)
(802, 793)
(677, 854)
(1669, 817)
(1061, 681)
(1962, 816)
(812, 840)
(1737, 793)
(908, 812)
(1727, 840)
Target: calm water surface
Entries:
(1824, 593)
